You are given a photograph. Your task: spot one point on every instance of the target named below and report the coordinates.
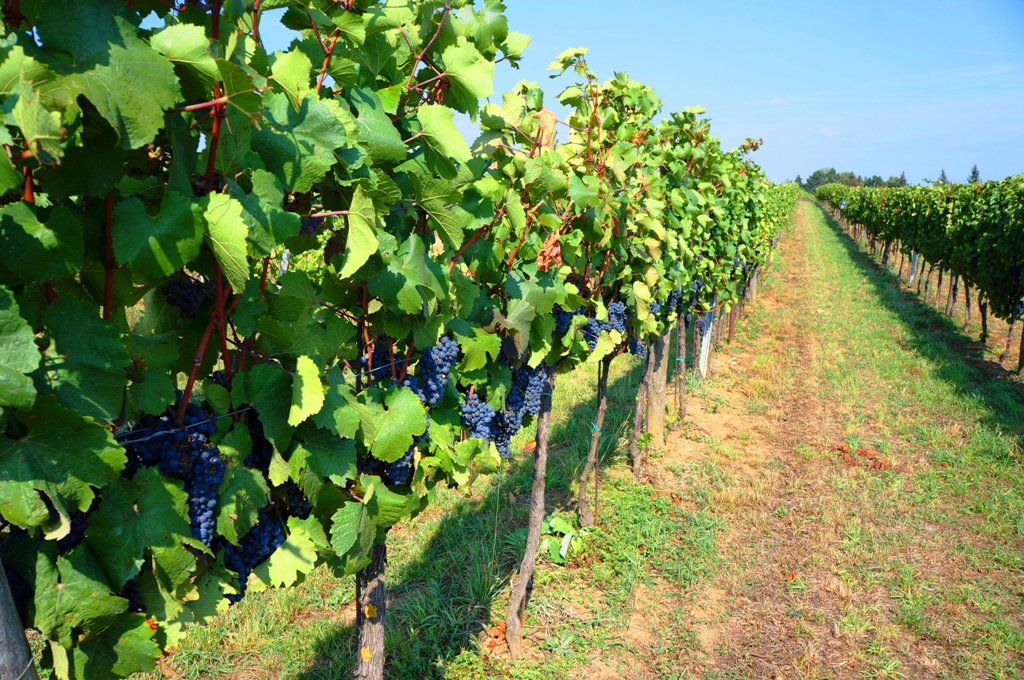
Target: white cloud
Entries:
(778, 101)
(826, 132)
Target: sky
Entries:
(877, 88)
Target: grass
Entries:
(759, 549)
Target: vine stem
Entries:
(109, 265)
(196, 363)
(327, 60)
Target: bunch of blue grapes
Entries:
(255, 547)
(79, 523)
(503, 428)
(477, 417)
(21, 591)
(380, 360)
(590, 332)
(703, 323)
(185, 295)
(399, 472)
(130, 592)
(310, 226)
(1018, 310)
(562, 320)
(530, 383)
(638, 348)
(262, 450)
(432, 371)
(735, 265)
(298, 505)
(655, 307)
(618, 318)
(674, 298)
(185, 454)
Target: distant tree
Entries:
(874, 181)
(820, 177)
(800, 182)
(975, 175)
(900, 181)
(942, 177)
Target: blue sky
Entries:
(873, 87)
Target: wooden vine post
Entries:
(586, 515)
(15, 655)
(681, 368)
(657, 392)
(635, 449)
(516, 611)
(371, 604)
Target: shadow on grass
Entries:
(960, 360)
(441, 598)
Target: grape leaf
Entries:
(36, 251)
(290, 70)
(440, 200)
(86, 365)
(188, 49)
(307, 392)
(376, 131)
(470, 74)
(442, 143)
(226, 233)
(149, 512)
(298, 146)
(269, 388)
(243, 491)
(337, 415)
(405, 419)
(361, 242)
(161, 245)
(296, 557)
(18, 348)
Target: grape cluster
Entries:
(298, 505)
(255, 547)
(524, 399)
(1018, 310)
(655, 307)
(79, 523)
(562, 320)
(735, 265)
(703, 323)
(182, 453)
(618, 318)
(674, 298)
(432, 371)
(185, 295)
(130, 592)
(262, 450)
(530, 382)
(399, 472)
(380, 361)
(310, 226)
(638, 348)
(477, 417)
(21, 591)
(590, 332)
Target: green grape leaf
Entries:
(361, 242)
(296, 557)
(269, 224)
(269, 388)
(405, 420)
(226, 233)
(307, 392)
(584, 192)
(150, 512)
(243, 492)
(513, 47)
(124, 648)
(298, 146)
(81, 599)
(319, 456)
(187, 47)
(85, 367)
(386, 507)
(41, 128)
(376, 131)
(470, 74)
(127, 81)
(443, 144)
(36, 251)
(290, 70)
(517, 321)
(337, 415)
(352, 530)
(440, 200)
(161, 245)
(351, 27)
(18, 348)
(478, 349)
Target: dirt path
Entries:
(849, 552)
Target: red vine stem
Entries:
(256, 23)
(263, 274)
(108, 255)
(28, 196)
(196, 363)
